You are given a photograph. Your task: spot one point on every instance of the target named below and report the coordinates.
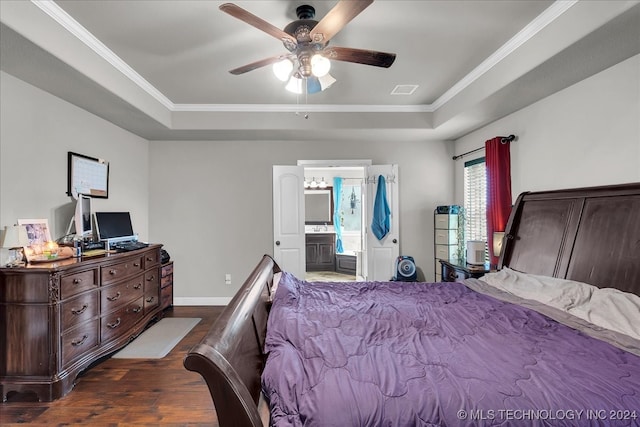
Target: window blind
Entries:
(475, 200)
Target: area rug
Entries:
(157, 341)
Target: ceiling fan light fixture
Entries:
(320, 65)
(295, 85)
(282, 69)
(326, 81)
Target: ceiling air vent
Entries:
(404, 89)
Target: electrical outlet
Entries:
(227, 279)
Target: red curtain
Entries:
(498, 163)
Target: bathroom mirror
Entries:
(318, 206)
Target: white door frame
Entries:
(366, 231)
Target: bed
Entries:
(473, 353)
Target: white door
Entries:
(288, 219)
(381, 255)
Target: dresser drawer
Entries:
(120, 321)
(166, 296)
(446, 237)
(79, 309)
(121, 270)
(446, 252)
(151, 258)
(79, 341)
(152, 278)
(114, 296)
(166, 269)
(166, 280)
(73, 284)
(151, 299)
(446, 221)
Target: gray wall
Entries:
(37, 130)
(585, 135)
(211, 202)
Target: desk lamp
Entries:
(14, 239)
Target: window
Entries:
(475, 200)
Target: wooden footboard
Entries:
(230, 357)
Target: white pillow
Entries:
(559, 293)
(608, 308)
(612, 309)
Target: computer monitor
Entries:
(82, 217)
(114, 225)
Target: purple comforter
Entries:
(418, 354)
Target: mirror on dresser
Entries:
(318, 206)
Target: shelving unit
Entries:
(448, 225)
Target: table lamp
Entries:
(14, 239)
(498, 237)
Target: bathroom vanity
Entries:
(320, 251)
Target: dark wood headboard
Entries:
(590, 235)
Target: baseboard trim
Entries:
(180, 301)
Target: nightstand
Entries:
(452, 271)
(166, 285)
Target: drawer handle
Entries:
(84, 307)
(137, 309)
(77, 281)
(135, 264)
(150, 259)
(77, 343)
(112, 272)
(138, 286)
(115, 297)
(150, 299)
(115, 324)
(149, 279)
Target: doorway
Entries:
(379, 204)
(334, 249)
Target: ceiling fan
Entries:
(307, 43)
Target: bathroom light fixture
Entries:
(314, 183)
(322, 183)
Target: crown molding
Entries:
(80, 32)
(294, 108)
(541, 21)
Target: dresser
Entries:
(58, 318)
(448, 228)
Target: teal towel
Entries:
(381, 214)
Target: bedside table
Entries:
(453, 271)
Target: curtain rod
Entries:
(504, 140)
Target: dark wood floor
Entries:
(131, 392)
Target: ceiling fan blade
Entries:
(257, 64)
(259, 23)
(337, 18)
(360, 56)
